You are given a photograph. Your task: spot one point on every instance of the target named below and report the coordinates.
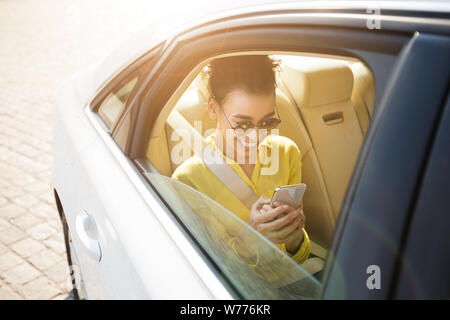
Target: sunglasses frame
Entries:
(253, 125)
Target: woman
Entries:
(242, 100)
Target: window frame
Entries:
(384, 238)
(138, 67)
(156, 96)
(193, 56)
(135, 144)
(430, 282)
(130, 77)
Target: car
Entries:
(363, 92)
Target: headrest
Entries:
(193, 107)
(317, 81)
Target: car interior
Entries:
(325, 104)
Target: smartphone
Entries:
(291, 194)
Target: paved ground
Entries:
(42, 43)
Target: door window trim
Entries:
(156, 97)
(152, 100)
(136, 68)
(405, 77)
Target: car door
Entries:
(127, 245)
(423, 269)
(88, 221)
(389, 179)
(381, 51)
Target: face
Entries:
(241, 108)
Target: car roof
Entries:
(172, 21)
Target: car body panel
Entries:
(377, 210)
(423, 271)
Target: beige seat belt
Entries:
(229, 177)
(214, 161)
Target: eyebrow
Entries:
(243, 116)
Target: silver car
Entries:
(374, 150)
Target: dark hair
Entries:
(252, 73)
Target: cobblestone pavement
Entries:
(42, 43)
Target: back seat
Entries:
(322, 89)
(363, 94)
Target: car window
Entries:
(325, 104)
(115, 102)
(275, 276)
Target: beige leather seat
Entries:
(320, 221)
(363, 94)
(322, 90)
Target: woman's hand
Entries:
(294, 240)
(280, 224)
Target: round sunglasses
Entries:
(242, 127)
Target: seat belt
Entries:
(214, 161)
(229, 177)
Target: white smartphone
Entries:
(290, 194)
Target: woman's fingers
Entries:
(272, 213)
(280, 222)
(281, 235)
(260, 203)
(277, 223)
(278, 204)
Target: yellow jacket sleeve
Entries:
(303, 252)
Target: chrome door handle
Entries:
(83, 224)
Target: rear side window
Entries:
(324, 105)
(114, 104)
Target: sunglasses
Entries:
(241, 127)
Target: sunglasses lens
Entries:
(245, 126)
(270, 124)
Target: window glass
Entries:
(275, 275)
(323, 105)
(114, 104)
